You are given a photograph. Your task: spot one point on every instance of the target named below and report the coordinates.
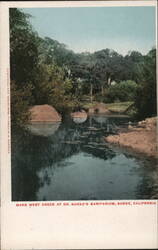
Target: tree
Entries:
(108, 67)
(122, 91)
(145, 99)
(54, 87)
(19, 104)
(23, 64)
(131, 64)
(23, 48)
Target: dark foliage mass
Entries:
(46, 71)
(145, 98)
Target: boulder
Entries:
(44, 113)
(79, 114)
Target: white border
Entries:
(32, 4)
(91, 227)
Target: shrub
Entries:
(20, 104)
(122, 91)
(145, 98)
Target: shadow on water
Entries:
(70, 161)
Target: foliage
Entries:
(131, 65)
(23, 62)
(19, 104)
(23, 48)
(33, 63)
(45, 71)
(123, 91)
(145, 98)
(54, 87)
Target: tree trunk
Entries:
(102, 90)
(90, 121)
(91, 92)
(109, 80)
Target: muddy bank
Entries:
(141, 138)
(99, 108)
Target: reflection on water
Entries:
(70, 161)
(79, 120)
(45, 129)
(101, 119)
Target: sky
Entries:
(88, 29)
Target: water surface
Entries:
(71, 161)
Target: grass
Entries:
(118, 107)
(88, 105)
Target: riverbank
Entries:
(140, 138)
(106, 108)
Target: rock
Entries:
(148, 128)
(79, 117)
(141, 140)
(79, 114)
(130, 127)
(44, 113)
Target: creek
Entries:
(71, 161)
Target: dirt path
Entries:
(142, 138)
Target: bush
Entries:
(145, 98)
(20, 104)
(99, 98)
(121, 92)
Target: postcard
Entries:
(78, 125)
